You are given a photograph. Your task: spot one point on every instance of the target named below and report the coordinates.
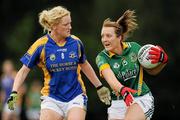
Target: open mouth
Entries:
(106, 44)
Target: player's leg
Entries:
(76, 109)
(6, 116)
(143, 108)
(76, 113)
(134, 112)
(51, 109)
(47, 114)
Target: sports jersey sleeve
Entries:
(82, 56)
(101, 63)
(31, 57)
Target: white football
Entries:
(143, 57)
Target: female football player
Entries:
(61, 56)
(118, 65)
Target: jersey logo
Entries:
(72, 54)
(62, 55)
(124, 62)
(52, 57)
(116, 65)
(62, 50)
(133, 57)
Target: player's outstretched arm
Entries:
(119, 89)
(19, 79)
(102, 91)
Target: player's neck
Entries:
(58, 39)
(118, 50)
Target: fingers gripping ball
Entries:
(144, 57)
(157, 54)
(104, 94)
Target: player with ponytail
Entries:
(119, 66)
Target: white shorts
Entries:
(118, 108)
(63, 107)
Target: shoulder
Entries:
(74, 37)
(38, 44)
(41, 41)
(133, 44)
(103, 54)
(102, 60)
(133, 47)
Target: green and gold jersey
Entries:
(125, 67)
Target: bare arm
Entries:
(111, 79)
(91, 75)
(126, 92)
(155, 70)
(20, 77)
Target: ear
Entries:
(53, 27)
(120, 38)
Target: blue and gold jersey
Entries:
(60, 64)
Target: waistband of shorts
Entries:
(121, 98)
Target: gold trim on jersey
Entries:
(124, 46)
(79, 68)
(41, 41)
(102, 67)
(75, 37)
(140, 80)
(79, 46)
(111, 54)
(79, 50)
(47, 76)
(61, 44)
(80, 79)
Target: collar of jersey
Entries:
(53, 42)
(124, 45)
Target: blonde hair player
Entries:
(61, 56)
(118, 64)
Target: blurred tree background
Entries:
(158, 24)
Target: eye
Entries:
(109, 35)
(67, 24)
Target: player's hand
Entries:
(104, 94)
(127, 96)
(12, 100)
(157, 54)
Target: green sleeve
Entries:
(100, 60)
